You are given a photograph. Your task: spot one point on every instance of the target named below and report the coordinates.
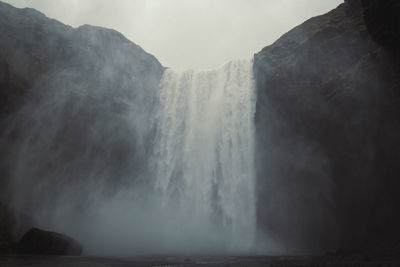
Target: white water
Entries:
(198, 196)
(203, 159)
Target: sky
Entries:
(195, 34)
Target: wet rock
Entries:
(383, 22)
(102, 79)
(37, 241)
(328, 107)
(7, 242)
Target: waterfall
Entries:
(168, 172)
(203, 158)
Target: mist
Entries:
(200, 127)
(125, 156)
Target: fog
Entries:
(132, 158)
(123, 155)
(189, 33)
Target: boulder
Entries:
(37, 241)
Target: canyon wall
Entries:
(74, 113)
(327, 127)
(77, 120)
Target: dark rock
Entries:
(37, 241)
(383, 21)
(74, 99)
(7, 240)
(12, 226)
(327, 128)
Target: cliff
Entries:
(71, 101)
(327, 126)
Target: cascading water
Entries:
(203, 155)
(91, 179)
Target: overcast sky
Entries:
(189, 33)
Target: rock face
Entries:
(7, 242)
(75, 105)
(327, 127)
(383, 22)
(12, 226)
(37, 241)
(74, 109)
